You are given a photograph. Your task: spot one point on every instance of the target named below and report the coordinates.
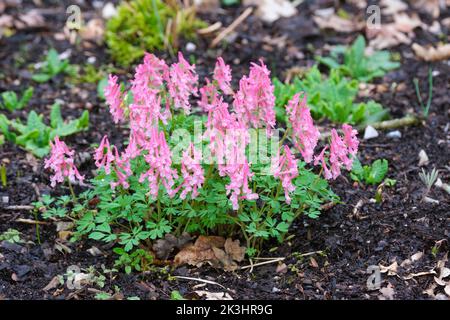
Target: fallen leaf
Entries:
(93, 31)
(333, 21)
(391, 34)
(423, 158)
(234, 250)
(313, 262)
(227, 262)
(163, 247)
(389, 7)
(430, 290)
(417, 256)
(430, 6)
(387, 293)
(64, 234)
(281, 268)
(441, 52)
(391, 269)
(214, 295)
(31, 19)
(213, 250)
(447, 289)
(53, 284)
(6, 21)
(94, 251)
(271, 10)
(63, 225)
(419, 274)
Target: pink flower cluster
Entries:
(62, 163)
(158, 87)
(342, 151)
(255, 100)
(305, 134)
(286, 170)
(192, 173)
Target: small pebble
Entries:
(275, 290)
(109, 11)
(190, 47)
(91, 60)
(394, 134)
(370, 133)
(423, 158)
(5, 199)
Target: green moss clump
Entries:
(147, 25)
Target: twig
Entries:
(210, 29)
(407, 120)
(20, 207)
(262, 263)
(231, 27)
(30, 221)
(309, 253)
(201, 280)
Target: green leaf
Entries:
(41, 77)
(56, 119)
(378, 171)
(101, 88)
(96, 235)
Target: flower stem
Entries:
(72, 192)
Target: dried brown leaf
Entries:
(441, 52)
(271, 10)
(389, 7)
(234, 250)
(31, 19)
(432, 7)
(338, 24)
(213, 250)
(214, 295)
(93, 31)
(387, 292)
(447, 289)
(395, 33)
(53, 284)
(391, 269)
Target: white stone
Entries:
(190, 47)
(394, 134)
(423, 158)
(109, 11)
(5, 199)
(370, 133)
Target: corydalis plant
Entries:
(215, 182)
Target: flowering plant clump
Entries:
(215, 165)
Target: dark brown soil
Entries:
(350, 236)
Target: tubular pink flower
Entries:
(182, 83)
(147, 84)
(103, 155)
(208, 96)
(338, 154)
(350, 140)
(192, 173)
(62, 163)
(122, 169)
(321, 158)
(114, 98)
(149, 76)
(222, 74)
(158, 158)
(305, 134)
(286, 170)
(255, 100)
(238, 188)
